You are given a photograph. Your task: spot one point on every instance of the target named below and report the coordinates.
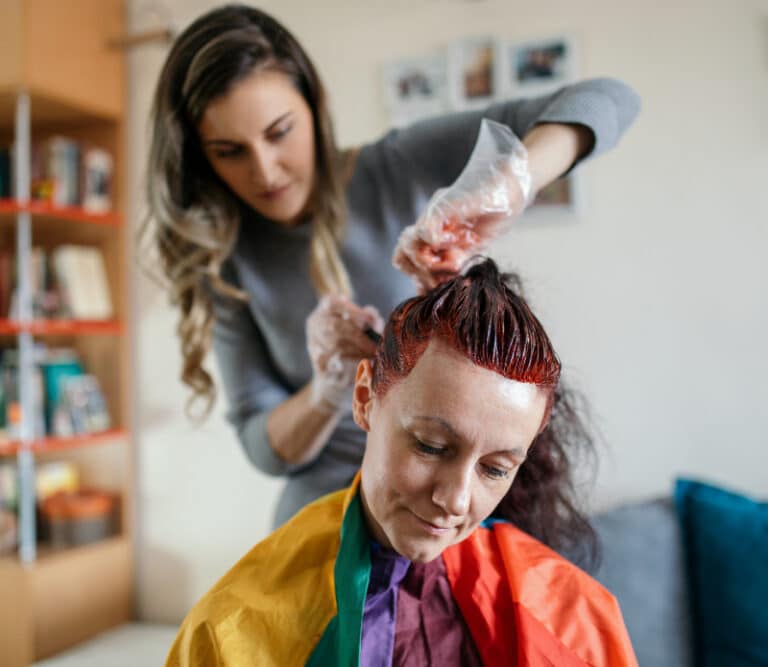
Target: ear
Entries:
(362, 395)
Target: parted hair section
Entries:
(193, 217)
(483, 315)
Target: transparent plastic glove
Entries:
(336, 343)
(460, 221)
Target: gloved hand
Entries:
(460, 221)
(336, 343)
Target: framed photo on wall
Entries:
(416, 88)
(538, 66)
(562, 196)
(473, 72)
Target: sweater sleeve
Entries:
(251, 384)
(435, 150)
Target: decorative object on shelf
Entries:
(54, 477)
(79, 517)
(81, 407)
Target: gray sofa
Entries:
(644, 567)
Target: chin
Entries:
(419, 553)
(287, 213)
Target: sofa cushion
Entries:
(726, 540)
(642, 565)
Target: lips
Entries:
(273, 193)
(434, 528)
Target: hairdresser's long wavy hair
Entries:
(483, 315)
(193, 219)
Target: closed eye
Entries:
(429, 450)
(277, 135)
(234, 151)
(496, 473)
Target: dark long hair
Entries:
(193, 217)
(483, 315)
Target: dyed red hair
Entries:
(480, 314)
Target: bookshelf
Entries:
(59, 78)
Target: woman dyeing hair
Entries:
(256, 214)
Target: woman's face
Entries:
(443, 448)
(259, 139)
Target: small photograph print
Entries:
(560, 194)
(415, 88)
(473, 72)
(542, 65)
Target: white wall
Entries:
(655, 295)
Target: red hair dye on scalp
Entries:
(479, 314)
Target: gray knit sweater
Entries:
(260, 346)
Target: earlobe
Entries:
(363, 394)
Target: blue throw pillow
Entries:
(726, 545)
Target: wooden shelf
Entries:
(46, 553)
(49, 109)
(52, 443)
(40, 209)
(56, 54)
(62, 327)
(68, 595)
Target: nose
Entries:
(452, 489)
(263, 167)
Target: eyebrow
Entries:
(446, 425)
(229, 142)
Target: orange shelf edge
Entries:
(70, 213)
(52, 443)
(62, 327)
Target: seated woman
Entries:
(417, 563)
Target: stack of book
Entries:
(67, 282)
(64, 172)
(66, 401)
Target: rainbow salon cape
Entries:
(297, 598)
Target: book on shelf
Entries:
(67, 401)
(6, 188)
(43, 284)
(96, 180)
(7, 260)
(82, 281)
(64, 172)
(69, 282)
(10, 379)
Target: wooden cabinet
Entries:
(58, 76)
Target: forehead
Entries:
(481, 405)
(252, 103)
